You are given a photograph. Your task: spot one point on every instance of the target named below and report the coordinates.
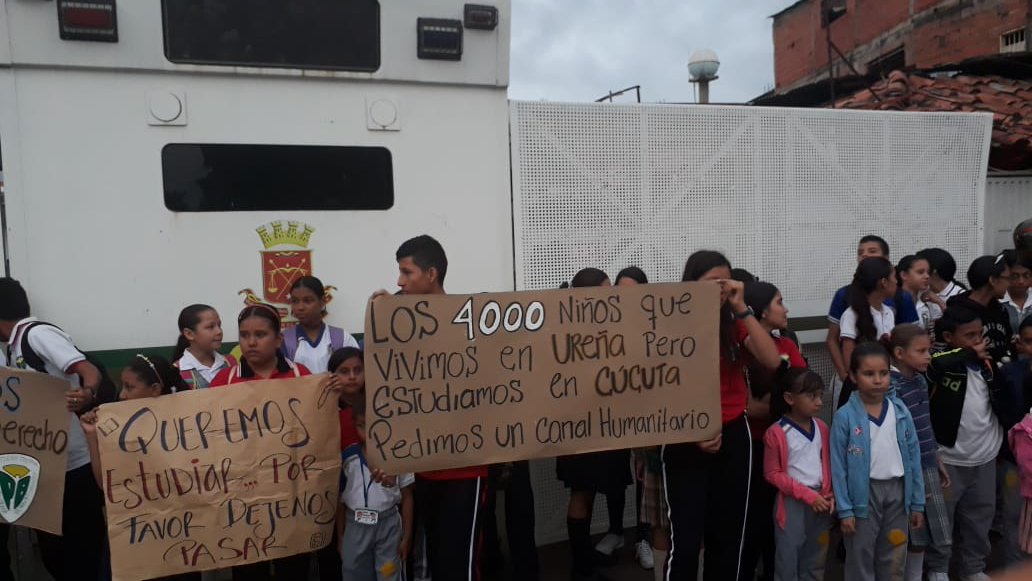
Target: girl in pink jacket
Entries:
(1021, 444)
(797, 461)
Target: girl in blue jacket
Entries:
(875, 471)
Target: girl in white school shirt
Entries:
(312, 341)
(868, 318)
(196, 355)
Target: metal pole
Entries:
(1028, 24)
(831, 62)
(704, 91)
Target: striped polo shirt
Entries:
(914, 393)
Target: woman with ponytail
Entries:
(707, 483)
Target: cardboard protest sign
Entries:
(219, 477)
(34, 423)
(460, 380)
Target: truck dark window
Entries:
(235, 178)
(313, 34)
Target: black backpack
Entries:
(106, 391)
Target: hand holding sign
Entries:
(220, 477)
(34, 453)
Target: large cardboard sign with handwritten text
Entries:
(34, 439)
(461, 380)
(219, 477)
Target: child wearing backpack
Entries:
(196, 355)
(311, 341)
(32, 344)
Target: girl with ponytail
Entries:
(196, 355)
(868, 318)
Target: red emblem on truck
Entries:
(285, 258)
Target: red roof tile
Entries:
(1009, 100)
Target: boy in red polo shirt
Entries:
(449, 503)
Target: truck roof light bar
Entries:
(95, 20)
(439, 39)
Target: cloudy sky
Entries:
(579, 50)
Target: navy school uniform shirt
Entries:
(906, 312)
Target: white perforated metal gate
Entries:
(785, 193)
(1008, 201)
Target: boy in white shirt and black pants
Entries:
(77, 553)
(374, 522)
(969, 433)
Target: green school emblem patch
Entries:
(19, 477)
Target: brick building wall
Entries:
(927, 32)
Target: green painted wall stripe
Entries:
(115, 359)
(818, 323)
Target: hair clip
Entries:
(161, 382)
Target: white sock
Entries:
(915, 564)
(659, 571)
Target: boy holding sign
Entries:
(77, 553)
(451, 502)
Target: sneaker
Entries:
(609, 544)
(936, 576)
(643, 551)
(976, 577)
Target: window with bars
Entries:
(1013, 41)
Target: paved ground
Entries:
(555, 564)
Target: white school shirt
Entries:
(317, 357)
(949, 291)
(804, 454)
(58, 353)
(884, 321)
(927, 314)
(980, 435)
(360, 491)
(886, 457)
(190, 363)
